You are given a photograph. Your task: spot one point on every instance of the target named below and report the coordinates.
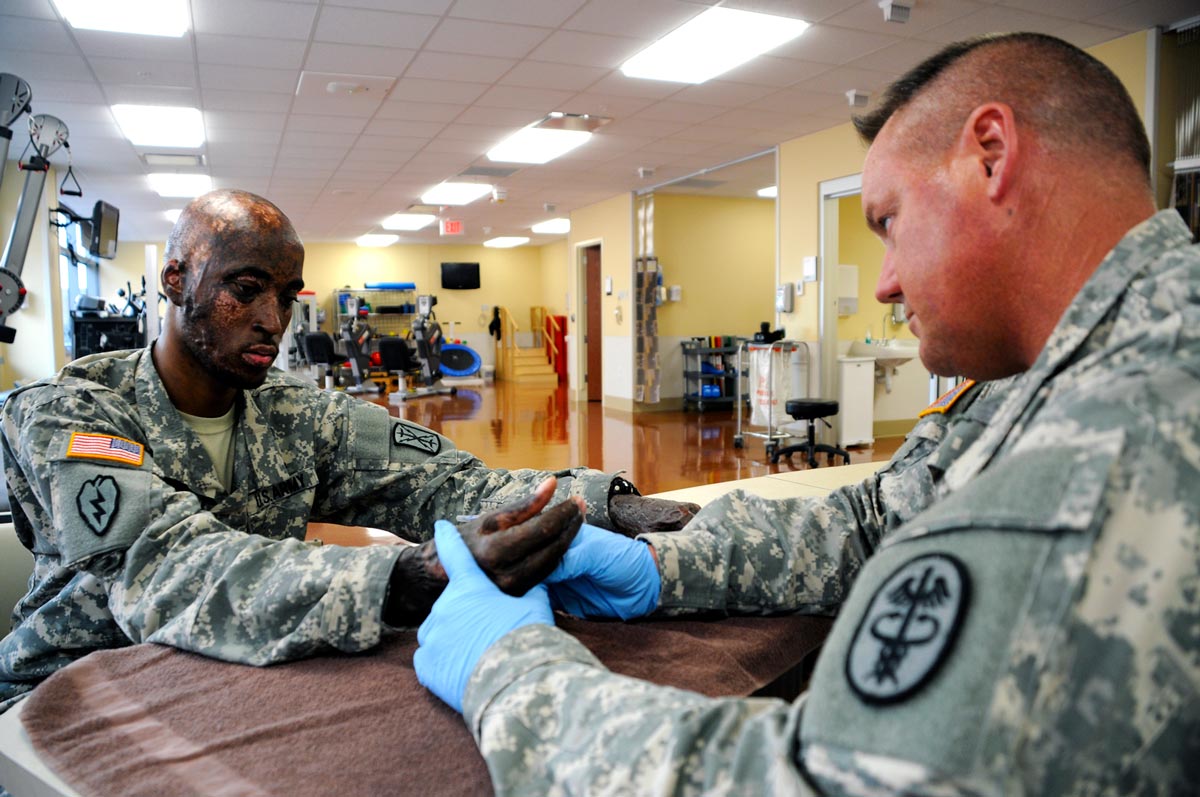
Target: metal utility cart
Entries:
(710, 377)
(763, 388)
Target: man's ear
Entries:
(989, 137)
(172, 282)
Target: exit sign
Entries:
(452, 227)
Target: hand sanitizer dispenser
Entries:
(783, 298)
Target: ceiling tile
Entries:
(434, 91)
(768, 70)
(433, 7)
(35, 66)
(928, 14)
(419, 111)
(358, 59)
(992, 19)
(720, 92)
(798, 101)
(348, 125)
(262, 139)
(1083, 34)
(536, 100)
(844, 78)
(826, 44)
(898, 58)
(616, 83)
(25, 33)
(1142, 15)
(120, 45)
(547, 13)
(404, 143)
(671, 111)
(807, 10)
(643, 127)
(676, 145)
(261, 18)
(509, 117)
(245, 100)
(538, 74)
(309, 138)
(713, 133)
(382, 28)
(485, 38)
(151, 95)
(244, 51)
(278, 81)
(470, 68)
(244, 120)
(643, 19)
(30, 8)
(138, 72)
(93, 113)
(605, 105)
(1068, 9)
(471, 148)
(587, 49)
(403, 127)
(483, 135)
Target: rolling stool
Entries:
(811, 410)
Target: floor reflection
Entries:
(516, 426)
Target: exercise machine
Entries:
(356, 335)
(15, 99)
(426, 369)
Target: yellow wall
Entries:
(803, 164)
(38, 349)
(858, 246)
(554, 267)
(1126, 57)
(721, 251)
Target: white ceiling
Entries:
(453, 77)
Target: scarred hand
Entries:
(635, 514)
(514, 545)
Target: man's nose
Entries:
(887, 290)
(271, 317)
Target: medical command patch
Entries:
(908, 628)
(102, 446)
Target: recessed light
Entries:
(552, 227)
(455, 193)
(171, 184)
(160, 125)
(770, 192)
(376, 240)
(145, 17)
(506, 241)
(407, 221)
(711, 43)
(534, 144)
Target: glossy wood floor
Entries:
(517, 426)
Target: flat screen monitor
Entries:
(460, 276)
(103, 239)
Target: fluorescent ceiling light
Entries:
(534, 144)
(552, 227)
(376, 240)
(160, 125)
(506, 241)
(173, 214)
(770, 192)
(711, 43)
(190, 185)
(455, 193)
(407, 221)
(147, 17)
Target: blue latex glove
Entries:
(605, 574)
(467, 618)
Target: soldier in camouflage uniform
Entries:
(138, 534)
(1034, 627)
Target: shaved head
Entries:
(227, 218)
(1075, 104)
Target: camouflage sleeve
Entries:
(751, 555)
(170, 571)
(550, 719)
(391, 473)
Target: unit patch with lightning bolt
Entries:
(98, 501)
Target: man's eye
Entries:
(245, 290)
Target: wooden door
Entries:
(593, 298)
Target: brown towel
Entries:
(151, 720)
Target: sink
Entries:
(887, 355)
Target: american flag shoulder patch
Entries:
(86, 445)
(947, 399)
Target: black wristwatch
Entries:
(621, 486)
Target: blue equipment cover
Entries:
(390, 286)
(459, 360)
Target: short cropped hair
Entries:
(1074, 102)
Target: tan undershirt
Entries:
(217, 436)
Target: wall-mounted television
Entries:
(460, 276)
(102, 242)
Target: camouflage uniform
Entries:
(1034, 629)
(135, 540)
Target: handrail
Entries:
(550, 325)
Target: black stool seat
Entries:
(811, 410)
(808, 409)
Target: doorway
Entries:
(593, 333)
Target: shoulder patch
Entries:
(415, 437)
(98, 501)
(947, 399)
(908, 629)
(85, 445)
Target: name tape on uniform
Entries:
(86, 445)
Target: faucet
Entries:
(887, 316)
